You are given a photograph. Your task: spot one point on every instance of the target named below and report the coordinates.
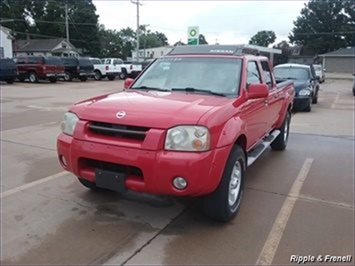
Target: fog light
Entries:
(63, 160)
(179, 183)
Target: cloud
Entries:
(225, 21)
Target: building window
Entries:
(2, 52)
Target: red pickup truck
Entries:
(189, 125)
(35, 68)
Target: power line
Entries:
(49, 22)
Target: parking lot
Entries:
(297, 202)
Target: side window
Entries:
(267, 73)
(253, 73)
(108, 62)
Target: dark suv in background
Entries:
(79, 68)
(8, 70)
(35, 68)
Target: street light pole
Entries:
(145, 38)
(138, 4)
(66, 21)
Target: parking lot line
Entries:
(32, 184)
(335, 100)
(272, 242)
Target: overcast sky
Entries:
(229, 22)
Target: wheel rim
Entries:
(32, 78)
(286, 131)
(66, 76)
(235, 184)
(97, 75)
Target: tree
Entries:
(263, 38)
(202, 39)
(324, 26)
(284, 46)
(128, 36)
(12, 12)
(111, 43)
(46, 19)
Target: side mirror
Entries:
(257, 91)
(127, 83)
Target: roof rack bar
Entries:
(214, 49)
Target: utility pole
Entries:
(138, 4)
(145, 39)
(66, 21)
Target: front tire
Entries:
(223, 204)
(309, 106)
(97, 75)
(88, 184)
(68, 76)
(10, 81)
(32, 76)
(315, 99)
(280, 143)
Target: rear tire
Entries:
(280, 143)
(111, 77)
(32, 76)
(223, 204)
(123, 74)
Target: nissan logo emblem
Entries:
(120, 114)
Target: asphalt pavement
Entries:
(299, 202)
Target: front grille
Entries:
(117, 168)
(119, 131)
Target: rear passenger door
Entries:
(255, 109)
(274, 100)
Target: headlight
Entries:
(187, 138)
(304, 92)
(69, 123)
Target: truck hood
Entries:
(148, 108)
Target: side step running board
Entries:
(260, 148)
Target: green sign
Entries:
(192, 42)
(193, 35)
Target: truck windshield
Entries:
(291, 73)
(195, 74)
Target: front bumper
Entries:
(301, 103)
(113, 73)
(158, 168)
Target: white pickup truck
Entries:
(108, 67)
(130, 69)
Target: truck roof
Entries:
(213, 50)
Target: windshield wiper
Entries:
(149, 88)
(190, 89)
